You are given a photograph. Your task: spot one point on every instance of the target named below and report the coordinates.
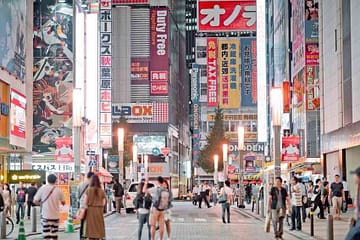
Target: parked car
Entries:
(130, 196)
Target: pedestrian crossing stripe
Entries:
(200, 220)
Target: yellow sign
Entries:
(64, 210)
(229, 73)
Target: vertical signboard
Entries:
(286, 96)
(298, 35)
(17, 118)
(159, 45)
(312, 88)
(139, 70)
(105, 67)
(196, 111)
(290, 149)
(64, 151)
(229, 71)
(53, 73)
(248, 72)
(212, 71)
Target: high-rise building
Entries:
(191, 26)
(340, 85)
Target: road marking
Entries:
(199, 220)
(180, 220)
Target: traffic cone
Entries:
(21, 235)
(69, 223)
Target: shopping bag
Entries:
(344, 206)
(267, 222)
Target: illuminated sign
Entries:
(142, 112)
(26, 176)
(212, 72)
(54, 167)
(18, 114)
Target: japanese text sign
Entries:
(226, 15)
(290, 149)
(248, 72)
(212, 72)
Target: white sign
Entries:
(54, 167)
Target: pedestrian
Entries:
(31, 191)
(346, 191)
(303, 199)
(80, 195)
(336, 196)
(196, 194)
(6, 193)
(203, 188)
(325, 196)
(167, 216)
(95, 200)
(118, 193)
(296, 201)
(21, 200)
(142, 203)
(226, 193)
(277, 207)
(50, 197)
(318, 199)
(309, 198)
(354, 233)
(214, 194)
(160, 198)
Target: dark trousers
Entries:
(20, 206)
(82, 223)
(225, 207)
(195, 199)
(29, 205)
(144, 218)
(296, 217)
(318, 203)
(203, 196)
(303, 213)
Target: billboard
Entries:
(159, 46)
(248, 72)
(64, 151)
(105, 17)
(195, 92)
(312, 88)
(113, 164)
(156, 112)
(129, 2)
(312, 53)
(286, 96)
(229, 85)
(290, 149)
(17, 118)
(220, 16)
(53, 73)
(298, 88)
(139, 70)
(212, 71)
(298, 35)
(149, 144)
(12, 37)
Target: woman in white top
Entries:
(6, 193)
(229, 199)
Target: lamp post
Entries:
(146, 165)
(216, 165)
(121, 133)
(225, 159)
(77, 106)
(276, 107)
(106, 155)
(134, 168)
(241, 134)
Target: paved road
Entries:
(190, 222)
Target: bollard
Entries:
(33, 219)
(330, 227)
(311, 223)
(262, 208)
(3, 224)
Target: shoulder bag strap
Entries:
(82, 193)
(52, 190)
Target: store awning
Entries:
(104, 175)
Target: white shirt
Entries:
(345, 185)
(51, 207)
(196, 190)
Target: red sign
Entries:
(129, 2)
(165, 151)
(312, 53)
(226, 15)
(212, 72)
(159, 46)
(18, 114)
(139, 70)
(286, 97)
(64, 152)
(290, 149)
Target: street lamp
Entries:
(276, 112)
(106, 155)
(135, 155)
(225, 158)
(77, 109)
(121, 134)
(216, 166)
(241, 136)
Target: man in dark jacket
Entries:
(118, 191)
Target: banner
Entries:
(139, 70)
(220, 16)
(64, 151)
(156, 112)
(159, 47)
(286, 97)
(212, 71)
(312, 88)
(113, 164)
(248, 72)
(290, 149)
(298, 88)
(228, 55)
(195, 92)
(298, 35)
(53, 73)
(312, 53)
(17, 116)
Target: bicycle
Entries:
(9, 226)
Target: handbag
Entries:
(81, 213)
(223, 198)
(267, 222)
(344, 206)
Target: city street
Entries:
(189, 222)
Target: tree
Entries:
(215, 140)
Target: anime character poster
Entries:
(12, 36)
(52, 73)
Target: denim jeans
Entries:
(143, 218)
(226, 207)
(296, 217)
(20, 206)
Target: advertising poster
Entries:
(253, 155)
(311, 30)
(12, 37)
(286, 97)
(311, 10)
(221, 16)
(149, 144)
(290, 149)
(64, 210)
(312, 53)
(17, 117)
(212, 71)
(113, 164)
(64, 151)
(159, 47)
(298, 35)
(105, 60)
(229, 72)
(249, 160)
(139, 71)
(298, 89)
(312, 88)
(195, 82)
(53, 73)
(248, 72)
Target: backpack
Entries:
(2, 204)
(162, 203)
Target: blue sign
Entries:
(195, 74)
(248, 72)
